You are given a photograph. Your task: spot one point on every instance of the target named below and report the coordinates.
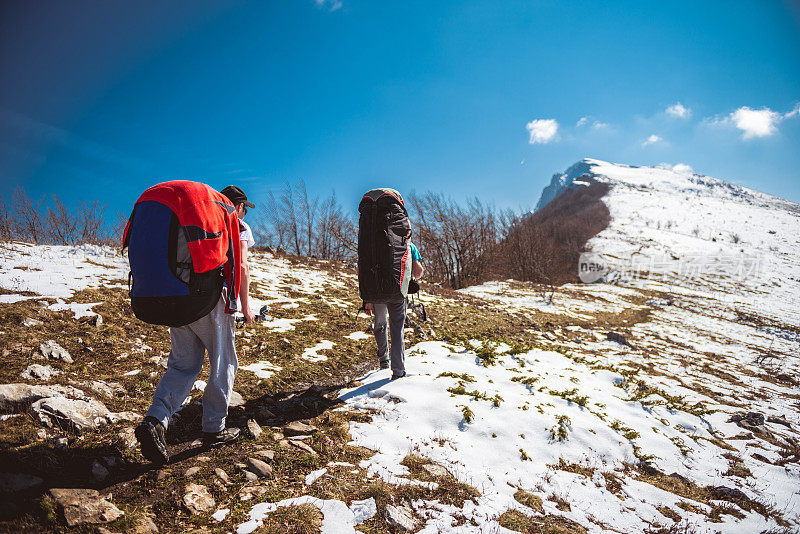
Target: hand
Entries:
(368, 308)
(248, 315)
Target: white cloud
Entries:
(794, 113)
(542, 130)
(582, 121)
(599, 125)
(679, 111)
(331, 5)
(756, 122)
(652, 140)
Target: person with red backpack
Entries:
(187, 248)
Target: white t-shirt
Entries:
(246, 234)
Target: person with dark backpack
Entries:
(386, 259)
(187, 268)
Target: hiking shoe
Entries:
(384, 364)
(217, 439)
(396, 376)
(151, 437)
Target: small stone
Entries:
(39, 372)
(99, 471)
(128, 437)
(81, 506)
(52, 350)
(284, 444)
(198, 499)
(265, 414)
(249, 492)
(267, 454)
(259, 467)
(305, 447)
(28, 321)
(356, 384)
(400, 517)
(98, 321)
(436, 470)
(203, 459)
(297, 428)
(254, 429)
(223, 476)
(60, 442)
(277, 436)
(192, 471)
(162, 475)
(251, 477)
(235, 400)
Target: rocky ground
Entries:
(609, 409)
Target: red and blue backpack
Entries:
(183, 247)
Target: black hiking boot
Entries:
(150, 434)
(384, 364)
(400, 375)
(217, 439)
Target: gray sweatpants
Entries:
(396, 312)
(212, 333)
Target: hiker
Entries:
(213, 248)
(387, 259)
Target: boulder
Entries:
(39, 372)
(17, 482)
(400, 517)
(197, 499)
(16, 397)
(297, 428)
(109, 390)
(81, 506)
(53, 351)
(71, 413)
(259, 467)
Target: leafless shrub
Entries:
(299, 222)
(27, 220)
(61, 224)
(456, 240)
(6, 222)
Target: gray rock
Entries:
(16, 397)
(52, 350)
(99, 471)
(16, 482)
(400, 517)
(297, 428)
(436, 470)
(267, 454)
(781, 420)
(198, 499)
(223, 476)
(259, 467)
(254, 429)
(109, 390)
(28, 321)
(81, 506)
(76, 414)
(192, 471)
(250, 476)
(236, 400)
(128, 438)
(305, 447)
(39, 372)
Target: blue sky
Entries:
(99, 100)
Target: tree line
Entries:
(462, 244)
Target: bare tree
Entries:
(6, 220)
(308, 214)
(27, 219)
(90, 222)
(62, 226)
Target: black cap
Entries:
(237, 196)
